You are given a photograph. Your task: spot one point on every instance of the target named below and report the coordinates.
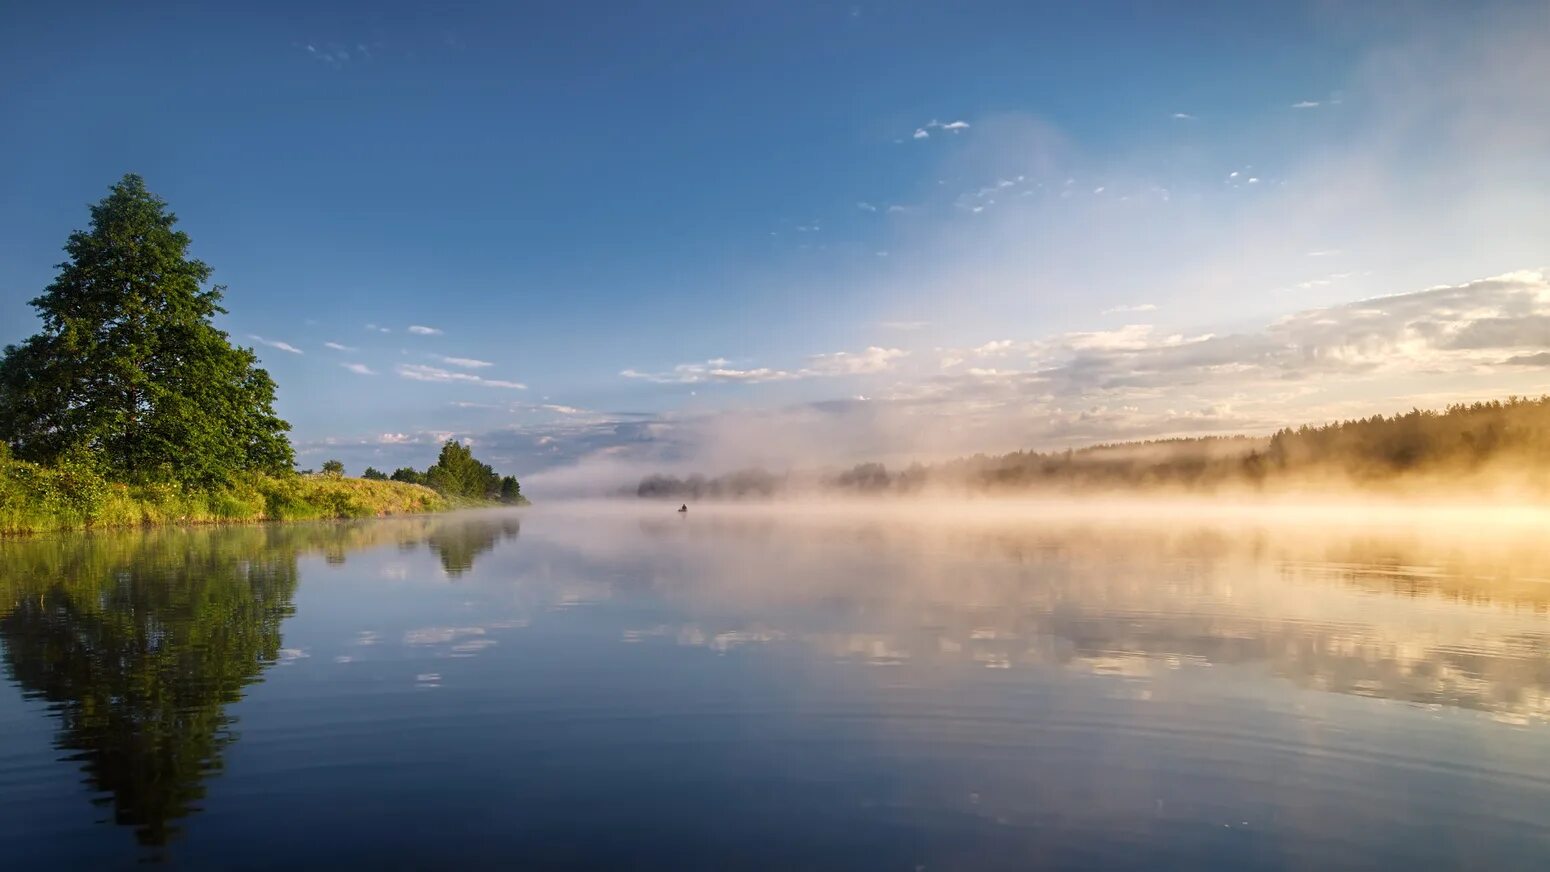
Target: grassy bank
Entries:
(38, 499)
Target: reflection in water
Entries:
(458, 544)
(1121, 598)
(139, 641)
(1032, 685)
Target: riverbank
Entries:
(38, 499)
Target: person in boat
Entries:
(683, 508)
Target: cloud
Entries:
(950, 126)
(716, 370)
(1137, 307)
(418, 372)
(841, 363)
(359, 368)
(866, 207)
(376, 329)
(1307, 104)
(421, 330)
(275, 343)
(1539, 359)
(872, 360)
(463, 362)
(1183, 116)
(1427, 348)
(338, 347)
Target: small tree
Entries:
(374, 474)
(511, 491)
(334, 468)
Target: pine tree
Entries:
(129, 369)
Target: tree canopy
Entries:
(129, 369)
(457, 473)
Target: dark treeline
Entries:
(1509, 438)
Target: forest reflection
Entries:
(138, 641)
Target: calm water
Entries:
(557, 689)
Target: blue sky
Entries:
(672, 233)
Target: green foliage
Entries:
(129, 368)
(374, 474)
(333, 467)
(511, 491)
(73, 495)
(456, 473)
(408, 475)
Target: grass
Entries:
(39, 499)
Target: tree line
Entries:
(457, 473)
(1458, 443)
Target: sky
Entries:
(596, 240)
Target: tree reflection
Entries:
(138, 641)
(458, 544)
(138, 644)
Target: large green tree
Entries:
(129, 368)
(457, 473)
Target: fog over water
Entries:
(839, 685)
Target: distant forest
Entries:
(1508, 441)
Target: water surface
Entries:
(736, 688)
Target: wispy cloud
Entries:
(1135, 307)
(463, 362)
(866, 207)
(1183, 116)
(1307, 104)
(374, 328)
(841, 363)
(339, 54)
(275, 343)
(872, 360)
(359, 368)
(340, 347)
(715, 370)
(924, 132)
(1427, 348)
(419, 372)
(422, 330)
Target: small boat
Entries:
(683, 509)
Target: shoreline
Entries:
(38, 503)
